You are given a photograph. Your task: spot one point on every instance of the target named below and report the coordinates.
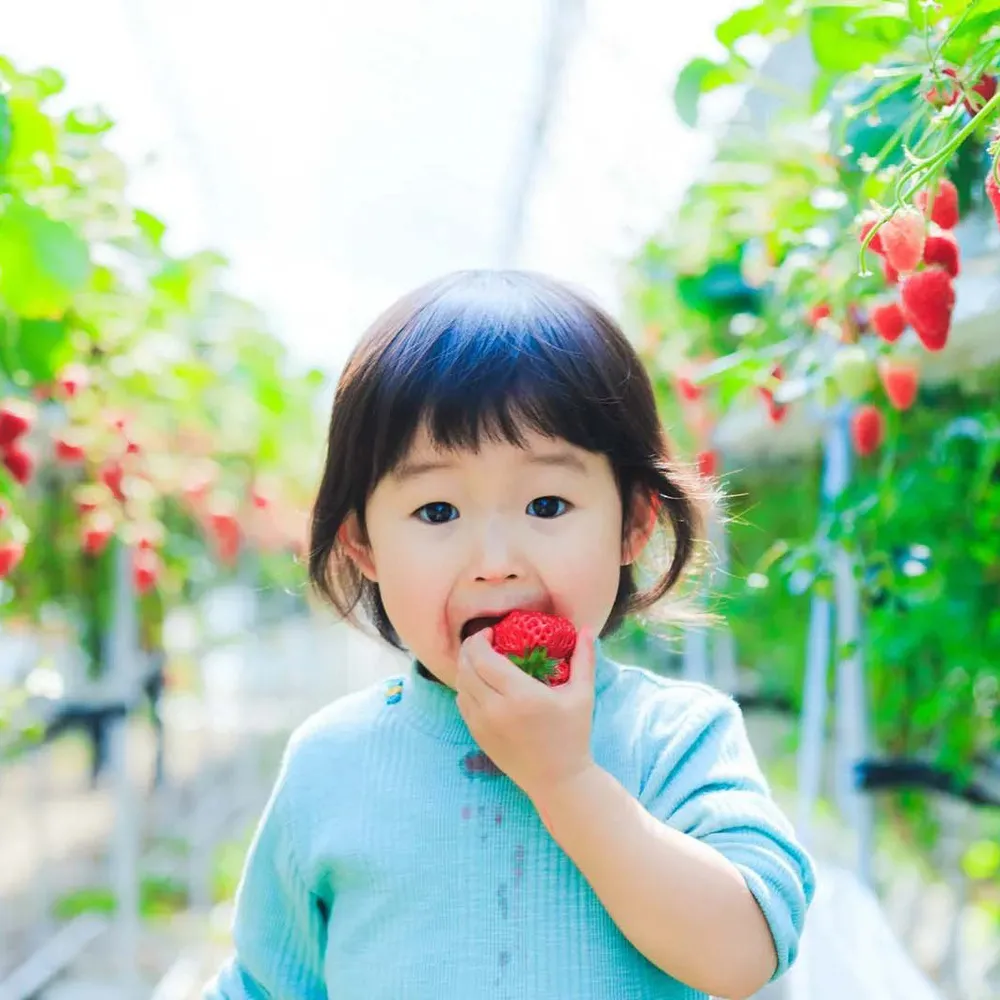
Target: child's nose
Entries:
(497, 556)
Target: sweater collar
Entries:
(433, 707)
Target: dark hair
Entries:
(489, 354)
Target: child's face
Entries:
(455, 536)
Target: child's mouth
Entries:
(474, 625)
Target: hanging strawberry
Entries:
(928, 301)
(993, 189)
(944, 208)
(867, 429)
(11, 554)
(888, 321)
(900, 379)
(941, 249)
(903, 238)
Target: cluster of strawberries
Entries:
(919, 254)
(17, 421)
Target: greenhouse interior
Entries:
(792, 209)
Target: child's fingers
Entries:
(494, 670)
(472, 679)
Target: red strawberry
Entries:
(947, 94)
(993, 189)
(145, 570)
(944, 210)
(20, 463)
(112, 475)
(985, 90)
(16, 418)
(818, 313)
(928, 301)
(11, 554)
(868, 222)
(867, 429)
(891, 274)
(688, 389)
(88, 498)
(96, 535)
(69, 451)
(226, 529)
(903, 239)
(900, 380)
(539, 644)
(559, 675)
(941, 248)
(72, 379)
(888, 321)
(708, 463)
(775, 411)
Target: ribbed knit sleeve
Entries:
(279, 926)
(705, 781)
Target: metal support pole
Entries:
(814, 710)
(724, 674)
(851, 703)
(124, 854)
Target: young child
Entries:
(465, 831)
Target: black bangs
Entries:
(491, 362)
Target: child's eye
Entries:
(438, 512)
(547, 507)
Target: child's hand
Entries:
(537, 735)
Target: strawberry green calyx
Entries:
(536, 662)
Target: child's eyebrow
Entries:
(565, 459)
(411, 470)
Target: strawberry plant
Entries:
(817, 263)
(141, 403)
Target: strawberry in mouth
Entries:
(539, 644)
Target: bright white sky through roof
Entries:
(341, 153)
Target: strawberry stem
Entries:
(536, 662)
(923, 167)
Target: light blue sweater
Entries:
(393, 862)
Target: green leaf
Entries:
(33, 136)
(88, 121)
(150, 226)
(866, 135)
(921, 12)
(314, 379)
(982, 860)
(699, 76)
(43, 263)
(845, 38)
(822, 87)
(760, 19)
(40, 347)
(6, 130)
(48, 81)
(968, 37)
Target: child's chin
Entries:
(435, 671)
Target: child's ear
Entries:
(353, 541)
(643, 515)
